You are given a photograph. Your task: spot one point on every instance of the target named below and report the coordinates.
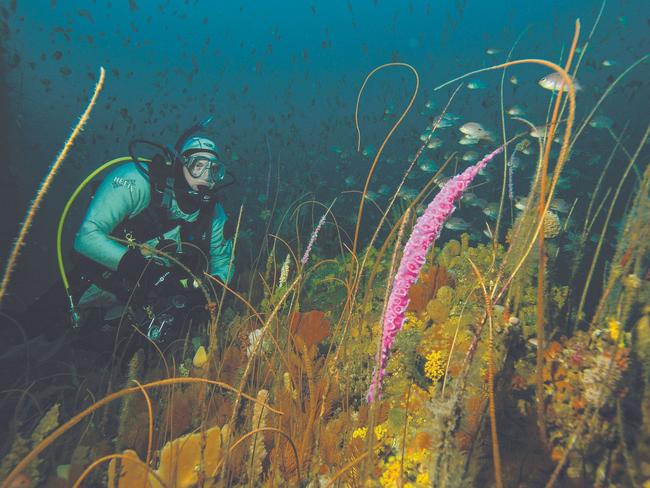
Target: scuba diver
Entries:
(163, 203)
(168, 204)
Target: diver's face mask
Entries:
(206, 170)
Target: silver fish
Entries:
(471, 156)
(601, 122)
(456, 223)
(554, 80)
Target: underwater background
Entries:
(506, 344)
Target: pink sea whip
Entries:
(426, 230)
(314, 235)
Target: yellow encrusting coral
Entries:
(411, 472)
(614, 328)
(360, 433)
(435, 365)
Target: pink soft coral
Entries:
(426, 230)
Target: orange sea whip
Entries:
(355, 279)
(539, 318)
(383, 144)
(45, 185)
(496, 453)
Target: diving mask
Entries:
(205, 168)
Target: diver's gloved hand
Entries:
(131, 267)
(150, 274)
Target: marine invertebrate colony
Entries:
(45, 185)
(426, 230)
(314, 235)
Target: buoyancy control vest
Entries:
(151, 223)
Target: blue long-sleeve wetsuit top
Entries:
(124, 193)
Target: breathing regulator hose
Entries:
(172, 156)
(59, 231)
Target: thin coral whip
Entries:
(512, 162)
(45, 185)
(561, 159)
(386, 139)
(314, 235)
(496, 454)
(426, 230)
(503, 135)
(541, 212)
(268, 176)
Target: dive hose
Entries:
(59, 231)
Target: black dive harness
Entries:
(152, 223)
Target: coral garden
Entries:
(501, 372)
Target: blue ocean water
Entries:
(281, 80)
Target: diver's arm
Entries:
(124, 193)
(221, 246)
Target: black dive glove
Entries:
(157, 277)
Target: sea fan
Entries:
(426, 230)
